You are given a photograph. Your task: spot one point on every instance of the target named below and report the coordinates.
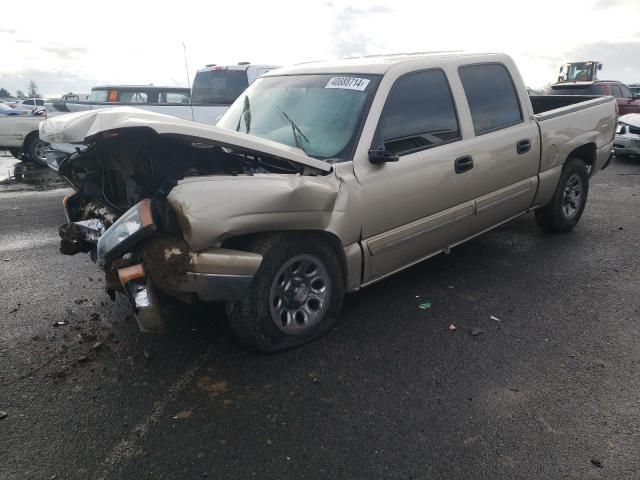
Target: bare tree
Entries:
(33, 89)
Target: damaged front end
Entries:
(121, 216)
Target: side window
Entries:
(133, 97)
(598, 90)
(98, 96)
(626, 93)
(173, 97)
(492, 97)
(419, 113)
(39, 102)
(28, 102)
(615, 91)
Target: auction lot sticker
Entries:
(349, 83)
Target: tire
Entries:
(295, 297)
(564, 210)
(35, 149)
(16, 152)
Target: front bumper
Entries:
(169, 269)
(160, 266)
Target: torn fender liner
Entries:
(77, 127)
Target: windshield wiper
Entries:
(246, 114)
(297, 133)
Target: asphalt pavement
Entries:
(539, 379)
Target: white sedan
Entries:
(627, 141)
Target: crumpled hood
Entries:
(632, 119)
(77, 127)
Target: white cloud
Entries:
(83, 43)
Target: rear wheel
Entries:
(564, 210)
(295, 297)
(36, 148)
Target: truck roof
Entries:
(380, 64)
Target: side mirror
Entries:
(382, 156)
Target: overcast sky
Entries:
(73, 45)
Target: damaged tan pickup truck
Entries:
(321, 179)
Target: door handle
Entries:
(523, 146)
(463, 164)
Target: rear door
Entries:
(418, 205)
(505, 146)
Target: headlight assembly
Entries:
(136, 224)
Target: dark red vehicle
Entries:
(627, 101)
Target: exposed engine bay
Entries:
(160, 203)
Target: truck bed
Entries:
(545, 103)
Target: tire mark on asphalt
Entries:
(127, 447)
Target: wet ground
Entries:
(23, 175)
(540, 379)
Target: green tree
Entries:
(4, 93)
(20, 94)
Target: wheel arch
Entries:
(247, 242)
(587, 153)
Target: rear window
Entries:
(219, 86)
(491, 96)
(592, 90)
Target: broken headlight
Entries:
(134, 225)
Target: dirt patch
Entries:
(166, 261)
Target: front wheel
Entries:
(36, 150)
(564, 210)
(295, 297)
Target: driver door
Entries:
(418, 205)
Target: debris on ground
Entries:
(596, 462)
(452, 328)
(88, 337)
(214, 389)
(425, 305)
(58, 373)
(96, 345)
(6, 259)
(495, 318)
(183, 414)
(147, 355)
(514, 389)
(94, 317)
(82, 359)
(59, 323)
(475, 331)
(3, 414)
(16, 309)
(78, 301)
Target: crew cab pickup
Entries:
(321, 179)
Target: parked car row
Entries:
(215, 88)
